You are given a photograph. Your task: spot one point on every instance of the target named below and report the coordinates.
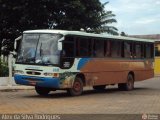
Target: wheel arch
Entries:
(132, 73)
(82, 76)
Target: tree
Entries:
(21, 15)
(106, 18)
(123, 34)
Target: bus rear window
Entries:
(149, 51)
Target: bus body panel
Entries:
(39, 81)
(64, 79)
(96, 71)
(106, 71)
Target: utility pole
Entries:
(10, 70)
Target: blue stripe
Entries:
(41, 81)
(82, 63)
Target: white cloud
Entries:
(146, 21)
(158, 2)
(136, 17)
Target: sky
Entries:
(136, 17)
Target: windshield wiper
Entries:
(31, 59)
(40, 52)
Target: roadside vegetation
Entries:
(4, 71)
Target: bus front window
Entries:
(39, 49)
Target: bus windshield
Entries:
(39, 49)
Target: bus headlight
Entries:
(52, 74)
(18, 72)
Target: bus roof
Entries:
(81, 33)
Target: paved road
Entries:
(144, 99)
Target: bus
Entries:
(70, 60)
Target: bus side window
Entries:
(107, 48)
(68, 47)
(142, 51)
(152, 50)
(77, 47)
(127, 50)
(82, 46)
(138, 50)
(149, 49)
(90, 47)
(116, 49)
(133, 50)
(99, 48)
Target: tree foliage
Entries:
(19, 15)
(123, 34)
(106, 19)
(4, 70)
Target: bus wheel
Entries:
(129, 85)
(99, 87)
(42, 91)
(77, 87)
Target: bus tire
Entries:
(77, 87)
(121, 86)
(99, 87)
(42, 91)
(129, 85)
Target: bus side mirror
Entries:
(15, 45)
(17, 41)
(14, 54)
(59, 46)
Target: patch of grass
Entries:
(4, 70)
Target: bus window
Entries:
(127, 50)
(90, 47)
(99, 48)
(107, 49)
(116, 49)
(149, 50)
(137, 50)
(82, 45)
(152, 50)
(143, 54)
(68, 47)
(133, 50)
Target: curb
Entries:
(15, 88)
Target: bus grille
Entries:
(33, 73)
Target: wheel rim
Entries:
(77, 86)
(130, 83)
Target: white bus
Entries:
(69, 60)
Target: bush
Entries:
(4, 70)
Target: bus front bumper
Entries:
(37, 81)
